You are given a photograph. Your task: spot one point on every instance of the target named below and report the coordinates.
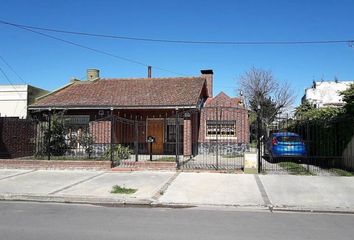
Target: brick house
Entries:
(145, 107)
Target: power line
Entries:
(16, 90)
(13, 70)
(93, 49)
(347, 41)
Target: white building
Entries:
(326, 93)
(14, 99)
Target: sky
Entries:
(49, 64)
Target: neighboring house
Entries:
(14, 99)
(326, 93)
(224, 119)
(156, 103)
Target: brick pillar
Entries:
(101, 131)
(187, 137)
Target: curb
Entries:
(146, 203)
(73, 199)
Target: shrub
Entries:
(87, 142)
(119, 153)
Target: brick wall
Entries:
(101, 131)
(238, 114)
(55, 164)
(187, 138)
(17, 137)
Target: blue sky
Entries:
(49, 64)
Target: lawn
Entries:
(340, 172)
(294, 168)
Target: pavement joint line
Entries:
(76, 183)
(263, 193)
(163, 189)
(18, 174)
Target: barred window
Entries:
(220, 128)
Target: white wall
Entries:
(327, 93)
(13, 100)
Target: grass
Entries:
(232, 155)
(341, 172)
(294, 168)
(122, 190)
(166, 159)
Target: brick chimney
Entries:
(93, 74)
(149, 71)
(208, 75)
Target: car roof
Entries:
(281, 134)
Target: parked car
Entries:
(285, 144)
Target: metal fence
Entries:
(308, 147)
(220, 139)
(213, 138)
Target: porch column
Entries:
(187, 137)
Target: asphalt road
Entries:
(19, 220)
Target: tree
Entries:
(348, 98)
(262, 89)
(302, 111)
(54, 137)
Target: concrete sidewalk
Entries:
(157, 188)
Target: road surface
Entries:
(21, 220)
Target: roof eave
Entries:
(110, 107)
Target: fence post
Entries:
(177, 138)
(49, 133)
(136, 141)
(218, 128)
(111, 143)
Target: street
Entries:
(22, 220)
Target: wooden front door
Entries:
(155, 128)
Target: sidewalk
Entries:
(171, 189)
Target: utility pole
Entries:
(259, 133)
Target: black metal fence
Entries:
(220, 139)
(214, 138)
(318, 147)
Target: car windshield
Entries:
(289, 139)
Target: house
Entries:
(14, 99)
(177, 113)
(326, 93)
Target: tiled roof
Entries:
(223, 100)
(144, 92)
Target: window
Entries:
(170, 133)
(220, 128)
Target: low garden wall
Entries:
(54, 164)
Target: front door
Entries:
(155, 128)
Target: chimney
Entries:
(93, 74)
(208, 75)
(149, 71)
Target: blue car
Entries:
(285, 144)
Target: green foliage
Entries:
(326, 131)
(302, 110)
(348, 98)
(53, 141)
(268, 107)
(341, 172)
(307, 112)
(87, 142)
(294, 168)
(166, 159)
(123, 190)
(119, 153)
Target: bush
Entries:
(87, 142)
(53, 141)
(119, 153)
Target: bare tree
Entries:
(261, 89)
